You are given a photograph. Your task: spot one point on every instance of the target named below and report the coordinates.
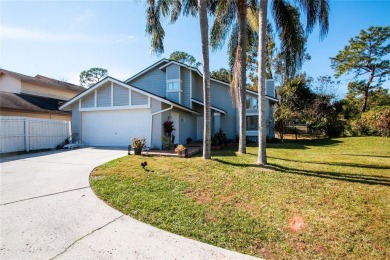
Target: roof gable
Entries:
(120, 83)
(43, 81)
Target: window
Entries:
(173, 86)
(251, 102)
(252, 123)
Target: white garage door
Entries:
(115, 128)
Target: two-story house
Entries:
(112, 112)
(36, 97)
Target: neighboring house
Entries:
(112, 112)
(37, 97)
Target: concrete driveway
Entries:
(48, 211)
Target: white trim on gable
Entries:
(146, 70)
(213, 108)
(267, 97)
(109, 79)
(169, 62)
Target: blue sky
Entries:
(59, 39)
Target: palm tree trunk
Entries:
(241, 55)
(204, 32)
(262, 157)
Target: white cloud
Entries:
(81, 20)
(125, 39)
(23, 34)
(16, 33)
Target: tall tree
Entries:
(231, 16)
(185, 58)
(316, 11)
(157, 33)
(222, 74)
(204, 34)
(92, 76)
(366, 56)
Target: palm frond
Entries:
(190, 7)
(225, 15)
(291, 34)
(154, 28)
(316, 11)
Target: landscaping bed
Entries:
(317, 198)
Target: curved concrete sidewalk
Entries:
(48, 211)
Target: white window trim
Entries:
(174, 81)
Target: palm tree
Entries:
(204, 33)
(316, 11)
(231, 15)
(157, 33)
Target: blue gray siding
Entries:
(153, 81)
(138, 99)
(187, 127)
(186, 88)
(104, 96)
(174, 96)
(121, 96)
(173, 72)
(197, 87)
(220, 98)
(88, 101)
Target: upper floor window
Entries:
(173, 86)
(251, 102)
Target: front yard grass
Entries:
(317, 199)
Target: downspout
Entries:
(151, 120)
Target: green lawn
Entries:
(339, 188)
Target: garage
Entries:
(115, 127)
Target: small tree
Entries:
(221, 74)
(295, 98)
(92, 76)
(185, 58)
(365, 56)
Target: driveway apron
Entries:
(48, 211)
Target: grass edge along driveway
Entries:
(317, 198)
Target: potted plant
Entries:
(180, 149)
(138, 144)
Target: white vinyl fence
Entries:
(26, 134)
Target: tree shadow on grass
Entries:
(366, 155)
(235, 164)
(358, 165)
(300, 144)
(355, 178)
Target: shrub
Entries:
(335, 128)
(374, 122)
(167, 145)
(220, 137)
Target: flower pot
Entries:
(137, 151)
